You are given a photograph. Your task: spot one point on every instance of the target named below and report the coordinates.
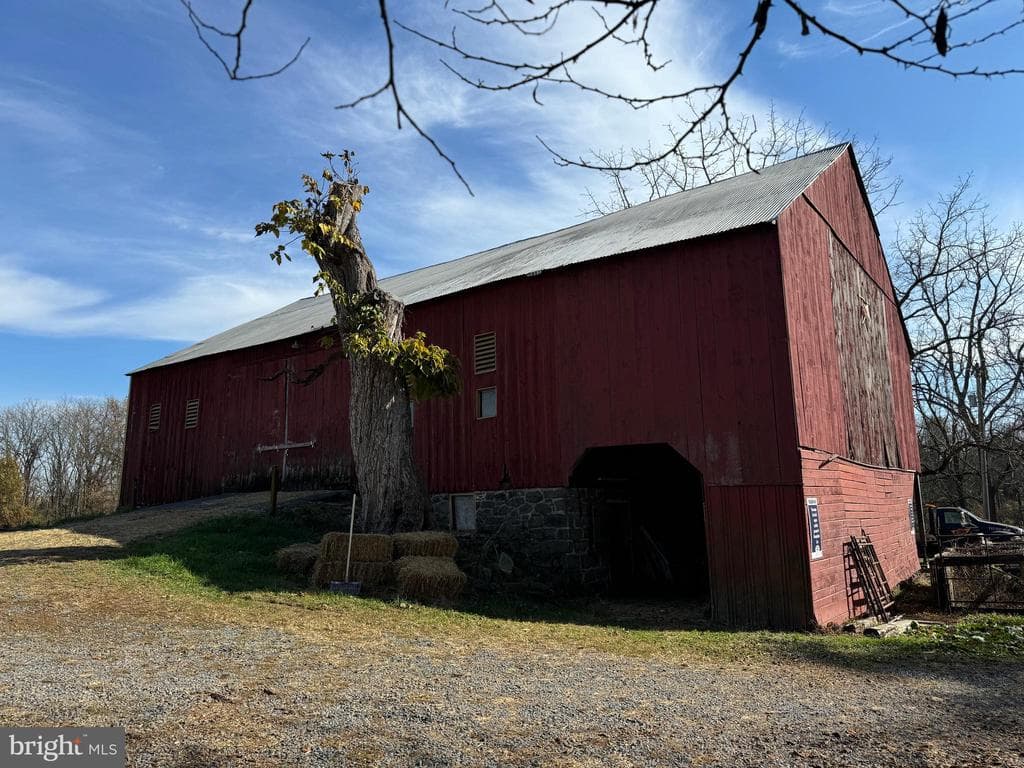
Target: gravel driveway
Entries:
(237, 695)
(243, 683)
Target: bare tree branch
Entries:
(233, 70)
(929, 45)
(712, 153)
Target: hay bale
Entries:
(370, 574)
(425, 544)
(297, 559)
(429, 579)
(366, 547)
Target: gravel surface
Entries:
(239, 683)
(248, 696)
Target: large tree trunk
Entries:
(380, 417)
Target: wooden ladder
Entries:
(873, 582)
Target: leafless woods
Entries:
(960, 287)
(68, 454)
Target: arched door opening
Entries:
(647, 506)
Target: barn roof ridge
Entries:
(830, 149)
(751, 198)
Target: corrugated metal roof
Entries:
(735, 203)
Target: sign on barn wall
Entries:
(814, 527)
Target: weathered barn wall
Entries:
(862, 338)
(851, 381)
(832, 211)
(683, 345)
(852, 497)
(757, 555)
(539, 539)
(241, 406)
(727, 349)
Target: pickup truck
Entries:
(949, 524)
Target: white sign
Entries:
(814, 528)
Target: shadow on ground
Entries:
(622, 612)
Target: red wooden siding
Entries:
(757, 555)
(837, 196)
(724, 348)
(824, 417)
(852, 497)
(241, 406)
(683, 345)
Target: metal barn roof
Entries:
(735, 203)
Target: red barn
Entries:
(705, 394)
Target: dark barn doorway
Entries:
(648, 519)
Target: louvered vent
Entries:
(485, 357)
(191, 414)
(154, 417)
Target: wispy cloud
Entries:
(193, 308)
(158, 252)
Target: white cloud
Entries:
(186, 269)
(194, 308)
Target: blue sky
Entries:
(132, 171)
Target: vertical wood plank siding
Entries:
(825, 419)
(684, 345)
(852, 389)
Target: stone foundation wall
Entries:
(538, 539)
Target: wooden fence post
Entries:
(275, 481)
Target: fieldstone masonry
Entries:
(539, 539)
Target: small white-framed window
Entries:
(154, 417)
(191, 414)
(487, 403)
(485, 353)
(463, 511)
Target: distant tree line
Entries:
(60, 460)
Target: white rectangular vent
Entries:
(191, 414)
(154, 417)
(485, 357)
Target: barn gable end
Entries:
(851, 384)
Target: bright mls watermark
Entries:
(81, 747)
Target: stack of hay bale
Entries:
(420, 565)
(424, 566)
(371, 559)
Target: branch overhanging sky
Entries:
(133, 170)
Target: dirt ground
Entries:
(244, 682)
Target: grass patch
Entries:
(228, 554)
(231, 560)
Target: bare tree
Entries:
(68, 453)
(716, 151)
(960, 288)
(938, 36)
(23, 430)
